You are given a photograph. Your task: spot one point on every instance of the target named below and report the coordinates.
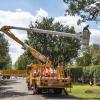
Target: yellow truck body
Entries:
(14, 72)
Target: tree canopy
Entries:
(88, 9)
(4, 52)
(90, 56)
(95, 52)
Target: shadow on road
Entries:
(2, 88)
(5, 89)
(12, 94)
(67, 97)
(7, 82)
(55, 96)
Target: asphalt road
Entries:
(17, 90)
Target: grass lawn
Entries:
(86, 92)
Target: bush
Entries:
(96, 73)
(76, 73)
(87, 75)
(92, 73)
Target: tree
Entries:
(90, 56)
(92, 7)
(85, 60)
(4, 53)
(96, 58)
(60, 50)
(95, 52)
(23, 61)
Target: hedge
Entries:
(85, 74)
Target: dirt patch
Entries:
(89, 91)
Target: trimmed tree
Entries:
(60, 50)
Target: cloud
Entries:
(71, 21)
(41, 13)
(95, 36)
(19, 18)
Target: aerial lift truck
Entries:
(42, 75)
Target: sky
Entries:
(32, 6)
(21, 13)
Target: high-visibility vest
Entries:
(47, 72)
(34, 73)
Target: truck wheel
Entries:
(35, 89)
(65, 91)
(57, 91)
(39, 91)
(28, 86)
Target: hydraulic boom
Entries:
(36, 54)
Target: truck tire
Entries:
(35, 89)
(57, 91)
(65, 91)
(28, 86)
(39, 91)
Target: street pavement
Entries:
(17, 90)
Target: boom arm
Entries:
(36, 54)
(43, 31)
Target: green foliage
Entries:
(95, 52)
(76, 74)
(96, 58)
(87, 74)
(79, 6)
(76, 5)
(90, 56)
(8, 66)
(21, 63)
(91, 73)
(72, 8)
(95, 70)
(85, 60)
(4, 49)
